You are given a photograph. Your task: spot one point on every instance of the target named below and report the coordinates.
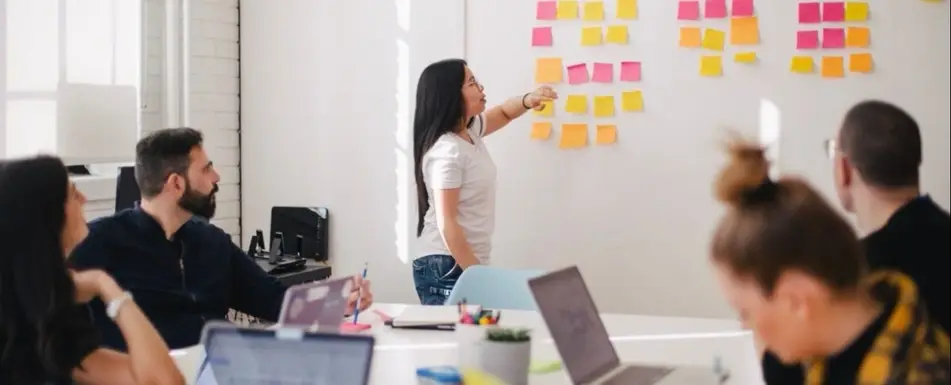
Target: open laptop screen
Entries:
(575, 324)
(284, 357)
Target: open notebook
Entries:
(427, 317)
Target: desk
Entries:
(638, 339)
(313, 271)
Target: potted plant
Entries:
(506, 353)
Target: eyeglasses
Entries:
(831, 147)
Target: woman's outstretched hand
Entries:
(542, 94)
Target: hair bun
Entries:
(745, 173)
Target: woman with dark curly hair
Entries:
(46, 336)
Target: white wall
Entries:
(326, 120)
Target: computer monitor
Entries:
(310, 223)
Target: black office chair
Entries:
(127, 190)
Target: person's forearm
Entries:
(459, 247)
(149, 359)
(514, 107)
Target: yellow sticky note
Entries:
(541, 130)
(711, 65)
(860, 62)
(606, 134)
(744, 30)
(594, 10)
(603, 106)
(714, 39)
(548, 70)
(857, 37)
(745, 57)
(632, 101)
(567, 9)
(690, 37)
(576, 104)
(591, 35)
(547, 109)
(856, 11)
(573, 135)
(617, 34)
(627, 9)
(801, 65)
(833, 67)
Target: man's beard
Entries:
(197, 203)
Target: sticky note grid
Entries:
(592, 92)
(713, 42)
(838, 29)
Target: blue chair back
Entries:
(495, 288)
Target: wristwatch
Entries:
(113, 307)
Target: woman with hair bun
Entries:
(795, 272)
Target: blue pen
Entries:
(356, 311)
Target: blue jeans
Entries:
(435, 276)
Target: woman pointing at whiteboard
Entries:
(455, 176)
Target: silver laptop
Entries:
(584, 345)
(316, 305)
(283, 356)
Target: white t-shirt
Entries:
(453, 162)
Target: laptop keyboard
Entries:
(638, 375)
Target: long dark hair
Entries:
(440, 107)
(35, 287)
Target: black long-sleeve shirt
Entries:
(179, 284)
(916, 241)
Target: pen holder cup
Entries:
(470, 338)
(507, 359)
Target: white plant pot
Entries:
(508, 361)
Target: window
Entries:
(52, 42)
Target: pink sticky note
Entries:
(714, 9)
(547, 10)
(807, 39)
(809, 13)
(834, 11)
(354, 327)
(742, 7)
(541, 36)
(630, 71)
(688, 10)
(833, 38)
(577, 73)
(603, 73)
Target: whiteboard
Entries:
(636, 216)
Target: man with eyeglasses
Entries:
(876, 157)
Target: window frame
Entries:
(62, 68)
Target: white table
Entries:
(637, 339)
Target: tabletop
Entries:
(669, 341)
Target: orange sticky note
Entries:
(744, 30)
(857, 37)
(690, 37)
(860, 62)
(541, 130)
(801, 65)
(714, 39)
(606, 134)
(833, 67)
(548, 70)
(573, 135)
